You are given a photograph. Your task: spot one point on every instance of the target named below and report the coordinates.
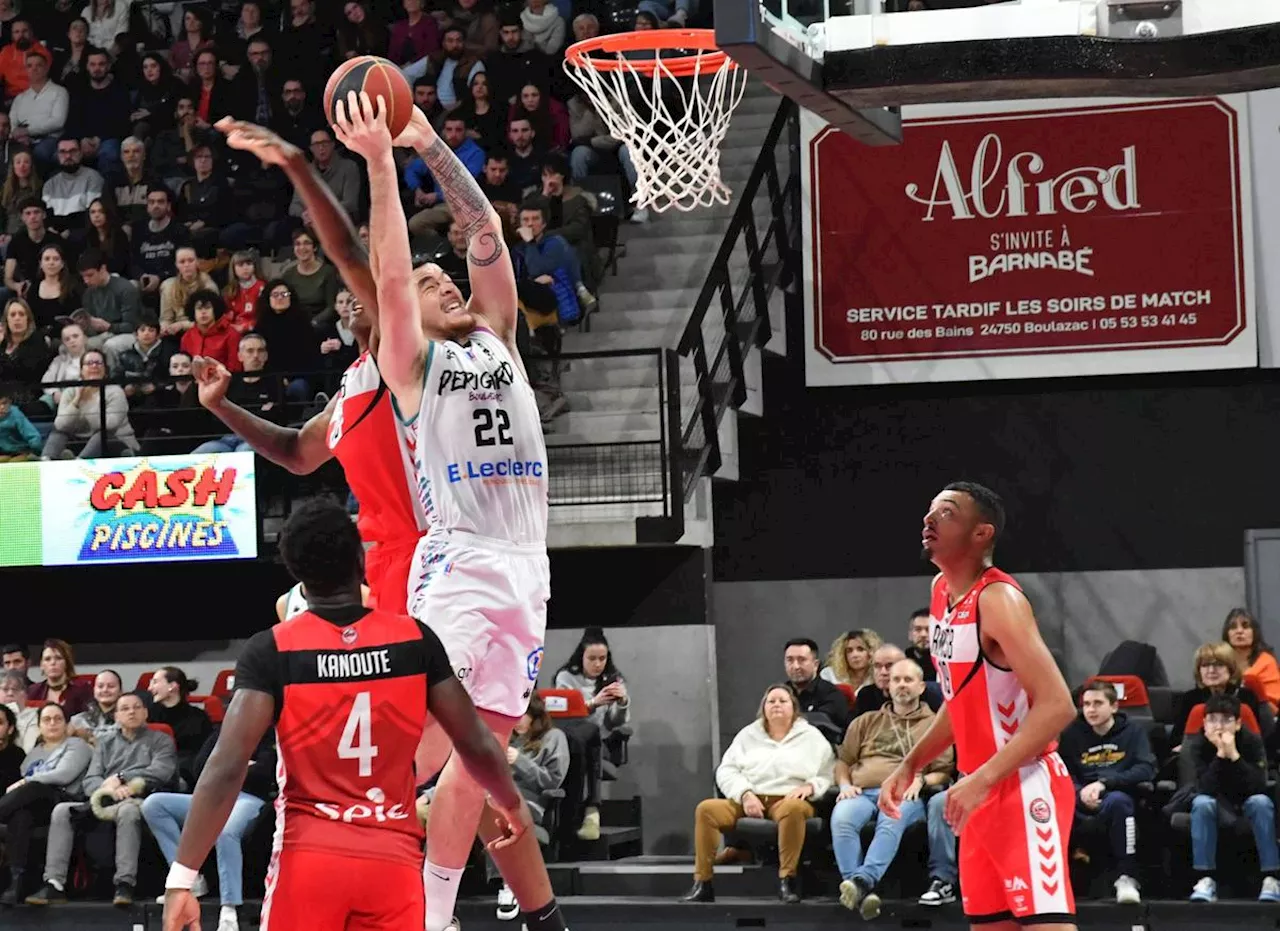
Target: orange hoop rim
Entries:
(708, 60)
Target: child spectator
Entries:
(19, 440)
(243, 290)
(212, 336)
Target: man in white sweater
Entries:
(39, 112)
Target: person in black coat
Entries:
(823, 704)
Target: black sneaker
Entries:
(939, 893)
(124, 895)
(48, 894)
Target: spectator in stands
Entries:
(128, 764)
(22, 264)
(644, 21)
(585, 26)
(661, 11)
(197, 35)
(21, 182)
(297, 119)
(539, 758)
(454, 262)
(100, 717)
(1216, 670)
(496, 183)
(55, 295)
(148, 358)
(69, 67)
(872, 747)
(1108, 758)
(213, 95)
(13, 693)
(39, 113)
(67, 195)
(170, 689)
(359, 33)
(107, 19)
(111, 302)
(821, 702)
(253, 390)
(66, 364)
(58, 664)
(104, 234)
(339, 173)
(591, 142)
(592, 672)
(314, 281)
(524, 161)
(773, 767)
(569, 216)
(243, 291)
(427, 193)
(155, 98)
(1254, 657)
(544, 25)
(486, 122)
(129, 185)
(414, 40)
(166, 812)
(547, 116)
(23, 353)
(427, 100)
(176, 292)
(249, 25)
(155, 250)
(11, 753)
(338, 347)
(454, 66)
(209, 208)
(51, 774)
(849, 659)
(99, 113)
(479, 20)
(13, 657)
(13, 59)
(264, 81)
(307, 43)
(79, 417)
(918, 643)
(873, 697)
(171, 148)
(212, 336)
(173, 410)
(552, 272)
(944, 873)
(1230, 781)
(19, 440)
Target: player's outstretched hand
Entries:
(181, 911)
(360, 128)
(512, 824)
(212, 380)
(894, 789)
(262, 142)
(418, 134)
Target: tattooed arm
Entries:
(493, 278)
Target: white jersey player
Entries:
(480, 577)
(294, 602)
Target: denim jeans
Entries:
(165, 813)
(583, 158)
(1260, 811)
(942, 842)
(1116, 815)
(226, 444)
(849, 818)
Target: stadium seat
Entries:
(1132, 693)
(1162, 699)
(163, 729)
(144, 681)
(564, 703)
(761, 834)
(85, 679)
(606, 191)
(224, 684)
(1195, 720)
(212, 706)
(35, 702)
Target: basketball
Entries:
(375, 76)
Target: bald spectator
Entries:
(823, 705)
(874, 696)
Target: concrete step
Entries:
(611, 340)
(683, 271)
(588, 374)
(656, 299)
(641, 399)
(653, 319)
(674, 244)
(605, 425)
(591, 433)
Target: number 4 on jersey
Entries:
(357, 735)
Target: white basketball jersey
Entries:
(481, 458)
(295, 602)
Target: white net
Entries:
(672, 126)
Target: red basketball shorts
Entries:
(308, 890)
(386, 568)
(1013, 852)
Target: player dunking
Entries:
(348, 689)
(481, 576)
(1006, 703)
(358, 426)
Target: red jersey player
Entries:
(1006, 703)
(348, 689)
(358, 426)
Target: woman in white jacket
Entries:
(107, 19)
(79, 416)
(544, 25)
(773, 767)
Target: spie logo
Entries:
(376, 810)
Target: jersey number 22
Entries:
(356, 742)
(493, 427)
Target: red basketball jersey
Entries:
(351, 705)
(366, 437)
(986, 702)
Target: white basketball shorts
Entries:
(487, 602)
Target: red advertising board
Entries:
(1078, 232)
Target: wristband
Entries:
(181, 877)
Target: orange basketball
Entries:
(375, 76)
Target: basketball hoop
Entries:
(689, 97)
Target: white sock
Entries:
(228, 913)
(441, 885)
(57, 885)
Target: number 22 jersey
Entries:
(350, 688)
(481, 458)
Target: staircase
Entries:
(645, 307)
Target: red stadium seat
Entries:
(211, 704)
(85, 679)
(848, 693)
(144, 680)
(564, 703)
(1132, 690)
(224, 684)
(1254, 685)
(163, 729)
(36, 703)
(1195, 720)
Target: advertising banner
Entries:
(1031, 239)
(84, 511)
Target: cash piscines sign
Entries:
(1031, 239)
(160, 508)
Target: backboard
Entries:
(854, 62)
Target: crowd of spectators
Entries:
(98, 761)
(133, 236)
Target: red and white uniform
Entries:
(366, 437)
(350, 688)
(1013, 852)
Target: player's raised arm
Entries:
(301, 451)
(402, 346)
(492, 276)
(329, 218)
